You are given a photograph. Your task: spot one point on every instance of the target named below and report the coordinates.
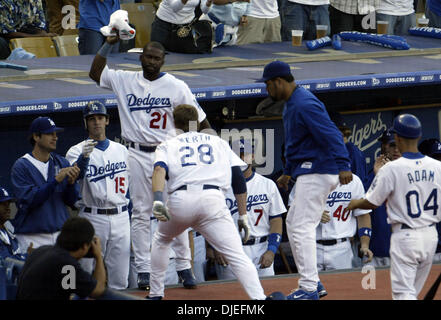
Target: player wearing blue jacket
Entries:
(317, 158)
(9, 247)
(44, 183)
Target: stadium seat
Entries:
(141, 15)
(66, 45)
(42, 47)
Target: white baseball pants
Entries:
(114, 233)
(206, 212)
(254, 252)
(37, 239)
(141, 194)
(411, 256)
(336, 257)
(310, 194)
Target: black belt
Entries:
(106, 211)
(204, 187)
(253, 241)
(143, 148)
(405, 226)
(331, 242)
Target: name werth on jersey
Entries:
(147, 103)
(420, 175)
(338, 197)
(109, 170)
(252, 200)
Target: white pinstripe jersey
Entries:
(263, 201)
(412, 187)
(146, 107)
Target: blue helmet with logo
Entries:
(94, 107)
(407, 126)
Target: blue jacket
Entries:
(41, 204)
(358, 163)
(313, 144)
(435, 6)
(95, 14)
(9, 246)
(381, 230)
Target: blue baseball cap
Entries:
(275, 69)
(44, 125)
(435, 148)
(387, 136)
(5, 196)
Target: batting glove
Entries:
(88, 147)
(243, 225)
(160, 211)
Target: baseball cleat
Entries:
(300, 294)
(187, 278)
(276, 296)
(144, 281)
(153, 298)
(321, 290)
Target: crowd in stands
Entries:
(233, 21)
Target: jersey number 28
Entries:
(431, 203)
(205, 154)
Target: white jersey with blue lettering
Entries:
(106, 181)
(412, 187)
(343, 223)
(146, 107)
(263, 202)
(104, 186)
(184, 155)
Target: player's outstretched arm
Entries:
(158, 184)
(360, 204)
(364, 232)
(100, 60)
(276, 229)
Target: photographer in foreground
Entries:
(53, 272)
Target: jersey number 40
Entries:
(413, 203)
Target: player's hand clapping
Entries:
(70, 172)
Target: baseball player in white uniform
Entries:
(200, 167)
(104, 182)
(411, 185)
(146, 100)
(264, 209)
(338, 224)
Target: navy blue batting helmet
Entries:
(407, 126)
(94, 107)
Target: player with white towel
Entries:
(411, 185)
(146, 100)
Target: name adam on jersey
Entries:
(420, 175)
(109, 170)
(147, 103)
(252, 200)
